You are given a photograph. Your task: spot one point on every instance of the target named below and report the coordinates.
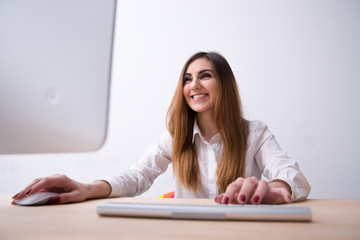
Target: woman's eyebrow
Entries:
(187, 74)
(200, 72)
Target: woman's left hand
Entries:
(254, 191)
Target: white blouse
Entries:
(264, 158)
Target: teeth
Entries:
(199, 96)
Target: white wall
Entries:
(297, 64)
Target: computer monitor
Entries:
(55, 70)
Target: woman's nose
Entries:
(195, 84)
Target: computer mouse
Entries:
(38, 198)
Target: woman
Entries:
(215, 152)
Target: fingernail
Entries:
(13, 202)
(28, 191)
(216, 198)
(15, 195)
(243, 198)
(54, 200)
(289, 198)
(256, 199)
(225, 200)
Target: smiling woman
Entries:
(215, 151)
(205, 77)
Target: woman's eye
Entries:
(187, 79)
(206, 75)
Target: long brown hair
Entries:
(229, 120)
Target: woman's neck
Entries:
(207, 125)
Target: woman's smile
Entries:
(199, 96)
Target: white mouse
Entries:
(35, 199)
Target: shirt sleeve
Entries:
(276, 164)
(140, 176)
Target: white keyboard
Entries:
(206, 212)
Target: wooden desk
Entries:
(332, 219)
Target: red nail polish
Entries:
(54, 200)
(13, 202)
(28, 191)
(243, 198)
(256, 199)
(15, 195)
(225, 200)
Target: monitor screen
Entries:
(55, 72)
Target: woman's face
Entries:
(200, 86)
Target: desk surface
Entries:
(332, 219)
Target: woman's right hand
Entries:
(69, 190)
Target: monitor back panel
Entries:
(55, 70)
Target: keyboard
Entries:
(206, 211)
